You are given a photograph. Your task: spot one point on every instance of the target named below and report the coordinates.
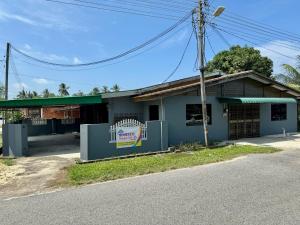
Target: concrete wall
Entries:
(124, 105)
(179, 132)
(95, 138)
(268, 127)
(15, 142)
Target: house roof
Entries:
(212, 81)
(57, 101)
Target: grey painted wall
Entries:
(124, 105)
(15, 142)
(175, 114)
(94, 141)
(268, 127)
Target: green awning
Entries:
(56, 101)
(255, 100)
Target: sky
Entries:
(71, 35)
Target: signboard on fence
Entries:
(127, 137)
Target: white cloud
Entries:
(10, 16)
(27, 47)
(41, 81)
(20, 86)
(278, 52)
(76, 60)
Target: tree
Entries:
(22, 94)
(291, 77)
(79, 93)
(238, 59)
(95, 91)
(105, 89)
(47, 94)
(115, 88)
(2, 91)
(63, 90)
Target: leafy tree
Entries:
(115, 88)
(238, 59)
(63, 90)
(291, 77)
(105, 89)
(95, 91)
(79, 93)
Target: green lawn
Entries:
(121, 168)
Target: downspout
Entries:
(161, 124)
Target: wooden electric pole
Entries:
(201, 49)
(7, 69)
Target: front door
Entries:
(244, 121)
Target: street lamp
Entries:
(219, 11)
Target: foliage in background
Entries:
(291, 77)
(238, 59)
(95, 91)
(63, 90)
(115, 88)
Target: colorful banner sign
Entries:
(127, 137)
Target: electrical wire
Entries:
(132, 12)
(210, 45)
(150, 41)
(253, 43)
(181, 58)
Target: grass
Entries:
(7, 161)
(121, 168)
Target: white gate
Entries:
(127, 123)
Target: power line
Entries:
(142, 4)
(238, 17)
(253, 43)
(110, 64)
(221, 36)
(150, 41)
(181, 58)
(210, 45)
(132, 12)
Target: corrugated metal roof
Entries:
(56, 101)
(243, 100)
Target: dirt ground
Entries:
(33, 175)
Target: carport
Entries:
(39, 136)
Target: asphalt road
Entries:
(259, 189)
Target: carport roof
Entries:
(56, 101)
(250, 100)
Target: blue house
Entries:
(240, 105)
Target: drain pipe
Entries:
(161, 124)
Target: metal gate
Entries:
(244, 121)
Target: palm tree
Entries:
(105, 89)
(22, 94)
(95, 91)
(46, 93)
(63, 90)
(79, 93)
(115, 88)
(292, 75)
(29, 94)
(35, 94)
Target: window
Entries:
(194, 114)
(153, 112)
(278, 112)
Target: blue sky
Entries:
(68, 34)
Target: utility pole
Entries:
(7, 69)
(201, 49)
